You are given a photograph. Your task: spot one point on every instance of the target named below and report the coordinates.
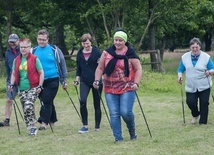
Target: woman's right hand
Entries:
(10, 87)
(75, 83)
(96, 84)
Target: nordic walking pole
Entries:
(73, 104)
(17, 121)
(103, 106)
(78, 97)
(210, 88)
(42, 104)
(77, 93)
(17, 105)
(14, 105)
(182, 100)
(143, 114)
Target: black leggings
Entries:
(84, 91)
(48, 112)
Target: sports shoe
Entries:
(42, 128)
(117, 141)
(83, 130)
(194, 120)
(97, 129)
(132, 134)
(5, 123)
(1, 124)
(33, 132)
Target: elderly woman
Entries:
(28, 75)
(122, 74)
(198, 67)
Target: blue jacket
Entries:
(86, 69)
(9, 57)
(60, 63)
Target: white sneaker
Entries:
(33, 132)
(194, 120)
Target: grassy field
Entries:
(160, 97)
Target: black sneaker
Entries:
(33, 132)
(1, 124)
(42, 127)
(116, 141)
(133, 134)
(4, 123)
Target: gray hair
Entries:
(195, 40)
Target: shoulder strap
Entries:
(33, 49)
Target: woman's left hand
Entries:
(135, 86)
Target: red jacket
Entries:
(33, 75)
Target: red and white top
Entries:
(117, 82)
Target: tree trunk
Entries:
(9, 18)
(1, 54)
(163, 47)
(104, 21)
(91, 31)
(153, 57)
(208, 41)
(59, 40)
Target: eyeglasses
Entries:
(12, 42)
(24, 47)
(39, 39)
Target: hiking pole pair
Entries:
(42, 104)
(17, 105)
(182, 100)
(14, 105)
(143, 114)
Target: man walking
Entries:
(55, 71)
(10, 55)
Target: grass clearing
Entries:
(160, 98)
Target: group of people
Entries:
(34, 72)
(37, 72)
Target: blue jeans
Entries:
(121, 105)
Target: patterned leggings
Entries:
(27, 99)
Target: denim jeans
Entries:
(121, 105)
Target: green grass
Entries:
(160, 98)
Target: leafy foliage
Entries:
(175, 21)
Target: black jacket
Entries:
(86, 69)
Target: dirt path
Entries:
(179, 54)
